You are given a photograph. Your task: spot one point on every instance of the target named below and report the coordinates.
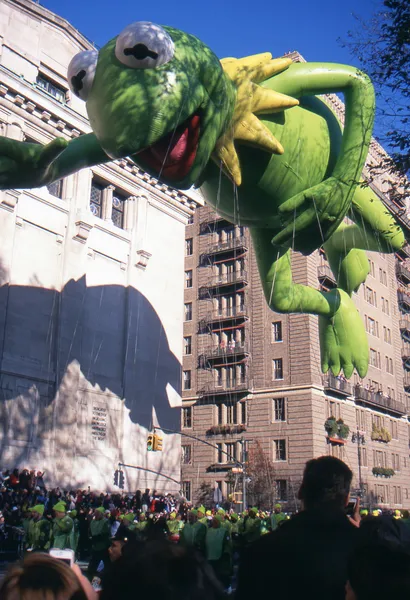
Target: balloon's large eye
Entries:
(144, 45)
(81, 71)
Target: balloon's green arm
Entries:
(81, 152)
(306, 79)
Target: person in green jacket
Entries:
(141, 526)
(251, 526)
(173, 525)
(75, 532)
(276, 517)
(62, 526)
(39, 530)
(202, 518)
(100, 535)
(194, 533)
(219, 550)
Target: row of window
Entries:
(235, 413)
(229, 452)
(372, 327)
(281, 487)
(375, 361)
(334, 409)
(382, 273)
(371, 297)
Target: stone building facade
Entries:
(251, 375)
(91, 292)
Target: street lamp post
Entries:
(359, 439)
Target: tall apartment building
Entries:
(251, 375)
(91, 286)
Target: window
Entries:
(394, 429)
(277, 331)
(231, 452)
(371, 265)
(186, 455)
(188, 311)
(243, 412)
(190, 219)
(231, 413)
(96, 198)
(389, 365)
(219, 376)
(383, 276)
(361, 419)
(189, 247)
(279, 409)
(385, 306)
(187, 345)
(187, 379)
(281, 489)
(188, 279)
(56, 188)
(58, 92)
(336, 451)
(186, 490)
(372, 326)
(387, 335)
(280, 450)
(117, 211)
(333, 409)
(395, 461)
(277, 368)
(370, 296)
(220, 414)
(374, 358)
(363, 456)
(219, 454)
(187, 417)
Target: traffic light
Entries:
(116, 477)
(121, 482)
(150, 442)
(157, 443)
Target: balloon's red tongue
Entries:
(173, 155)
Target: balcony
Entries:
(404, 299)
(402, 272)
(404, 252)
(326, 277)
(217, 315)
(211, 352)
(233, 243)
(405, 351)
(337, 385)
(405, 326)
(379, 400)
(228, 279)
(208, 220)
(237, 387)
(406, 381)
(393, 205)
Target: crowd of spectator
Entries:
(148, 543)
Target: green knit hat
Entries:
(254, 510)
(219, 517)
(39, 508)
(59, 507)
(201, 509)
(278, 506)
(221, 511)
(129, 517)
(234, 517)
(100, 509)
(73, 513)
(194, 512)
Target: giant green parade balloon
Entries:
(265, 149)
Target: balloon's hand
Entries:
(319, 206)
(343, 340)
(28, 165)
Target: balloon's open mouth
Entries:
(173, 155)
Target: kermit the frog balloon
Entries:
(267, 152)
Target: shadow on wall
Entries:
(114, 334)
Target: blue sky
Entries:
(230, 28)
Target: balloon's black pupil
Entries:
(77, 81)
(140, 51)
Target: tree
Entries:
(205, 494)
(260, 477)
(381, 43)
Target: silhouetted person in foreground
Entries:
(308, 555)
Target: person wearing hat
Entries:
(194, 533)
(62, 526)
(251, 526)
(219, 549)
(141, 525)
(100, 541)
(75, 532)
(276, 517)
(375, 513)
(39, 530)
(201, 515)
(397, 514)
(173, 525)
